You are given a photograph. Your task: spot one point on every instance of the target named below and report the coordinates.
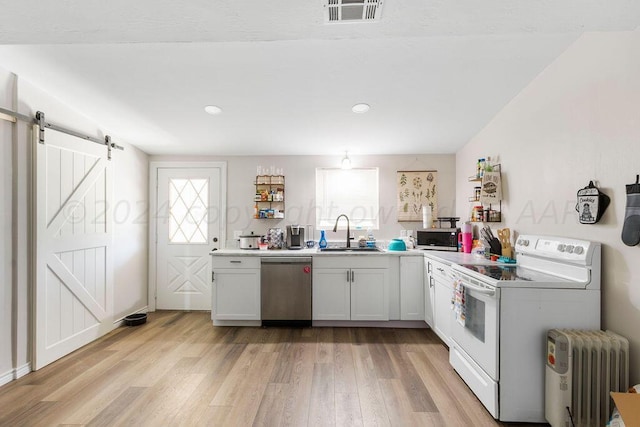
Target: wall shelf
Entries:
(487, 212)
(269, 197)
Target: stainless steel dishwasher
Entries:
(285, 289)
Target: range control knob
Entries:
(570, 248)
(525, 243)
(578, 250)
(561, 247)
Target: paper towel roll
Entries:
(427, 219)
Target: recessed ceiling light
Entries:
(213, 109)
(360, 108)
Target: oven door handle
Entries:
(485, 291)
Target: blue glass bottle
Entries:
(322, 243)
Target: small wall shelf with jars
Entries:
(481, 211)
(269, 197)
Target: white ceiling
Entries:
(434, 71)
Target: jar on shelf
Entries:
(477, 214)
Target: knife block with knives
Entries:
(494, 244)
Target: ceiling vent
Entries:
(352, 11)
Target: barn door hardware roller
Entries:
(108, 143)
(42, 124)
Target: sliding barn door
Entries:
(73, 232)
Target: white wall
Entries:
(130, 231)
(131, 217)
(299, 174)
(6, 288)
(579, 120)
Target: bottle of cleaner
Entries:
(322, 243)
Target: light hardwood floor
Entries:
(180, 370)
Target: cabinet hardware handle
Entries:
(348, 277)
(429, 267)
(236, 262)
(212, 277)
(352, 276)
(431, 282)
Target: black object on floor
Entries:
(135, 319)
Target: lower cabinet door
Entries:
(411, 288)
(236, 294)
(331, 297)
(429, 297)
(442, 313)
(369, 294)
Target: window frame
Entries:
(327, 211)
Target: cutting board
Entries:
(504, 235)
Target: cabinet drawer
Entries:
(235, 262)
(352, 261)
(440, 270)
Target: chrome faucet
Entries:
(335, 227)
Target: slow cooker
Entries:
(249, 242)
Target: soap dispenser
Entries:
(322, 243)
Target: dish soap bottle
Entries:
(322, 243)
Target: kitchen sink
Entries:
(345, 249)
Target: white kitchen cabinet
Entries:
(369, 294)
(351, 288)
(443, 291)
(236, 288)
(429, 292)
(412, 302)
(331, 294)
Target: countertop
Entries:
(310, 252)
(442, 256)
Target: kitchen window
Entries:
(353, 192)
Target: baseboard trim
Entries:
(14, 374)
(120, 322)
(22, 370)
(7, 377)
(406, 324)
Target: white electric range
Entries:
(499, 342)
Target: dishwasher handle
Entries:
(285, 260)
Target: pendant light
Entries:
(346, 161)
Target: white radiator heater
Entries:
(582, 368)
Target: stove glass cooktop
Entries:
(514, 273)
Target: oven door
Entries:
(478, 337)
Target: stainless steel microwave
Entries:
(439, 239)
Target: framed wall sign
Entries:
(414, 190)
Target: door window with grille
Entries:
(188, 216)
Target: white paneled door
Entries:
(188, 227)
(73, 235)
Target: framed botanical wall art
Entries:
(416, 189)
